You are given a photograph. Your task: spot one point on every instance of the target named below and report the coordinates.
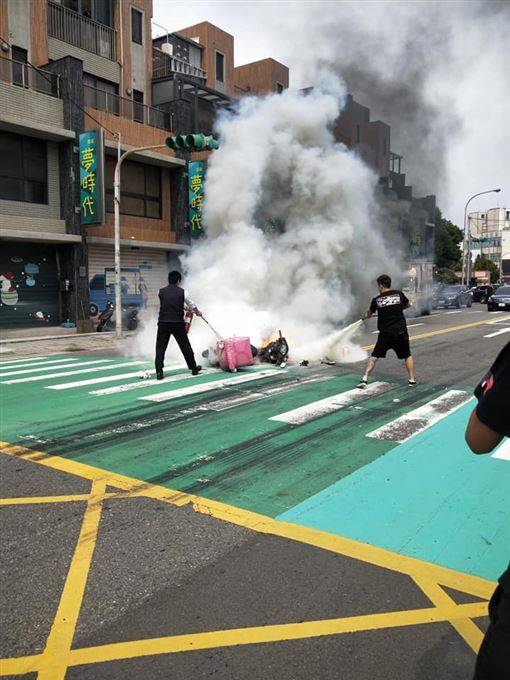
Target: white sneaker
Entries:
(362, 384)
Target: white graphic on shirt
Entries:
(388, 300)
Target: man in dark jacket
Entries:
(171, 322)
(488, 425)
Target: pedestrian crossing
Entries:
(49, 372)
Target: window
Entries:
(23, 169)
(358, 134)
(508, 214)
(220, 67)
(19, 58)
(138, 106)
(140, 189)
(136, 26)
(100, 94)
(100, 10)
(279, 88)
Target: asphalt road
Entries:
(108, 572)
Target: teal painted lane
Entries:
(429, 498)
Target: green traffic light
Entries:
(192, 142)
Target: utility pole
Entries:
(116, 207)
(466, 255)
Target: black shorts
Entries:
(398, 343)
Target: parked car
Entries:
(500, 299)
(482, 293)
(453, 296)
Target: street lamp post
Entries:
(116, 207)
(466, 263)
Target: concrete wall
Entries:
(19, 23)
(30, 106)
(92, 63)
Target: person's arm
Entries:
(191, 305)
(479, 437)
(405, 301)
(371, 310)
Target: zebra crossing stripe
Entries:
(410, 424)
(40, 363)
(316, 409)
(54, 368)
(21, 360)
(96, 381)
(213, 385)
(48, 376)
(140, 384)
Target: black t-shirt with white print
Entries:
(493, 394)
(390, 307)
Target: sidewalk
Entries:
(57, 340)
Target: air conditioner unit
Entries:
(168, 48)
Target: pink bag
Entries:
(234, 353)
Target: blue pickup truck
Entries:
(102, 289)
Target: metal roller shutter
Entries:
(146, 265)
(29, 293)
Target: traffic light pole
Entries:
(116, 208)
(191, 142)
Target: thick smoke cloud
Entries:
(436, 71)
(292, 234)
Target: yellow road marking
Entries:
(403, 564)
(464, 627)
(83, 497)
(54, 658)
(253, 635)
(441, 331)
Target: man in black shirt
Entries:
(391, 323)
(171, 322)
(488, 424)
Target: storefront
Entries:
(143, 272)
(29, 278)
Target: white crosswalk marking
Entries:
(96, 381)
(315, 409)
(21, 359)
(53, 368)
(500, 332)
(38, 363)
(503, 451)
(213, 385)
(410, 424)
(104, 367)
(141, 384)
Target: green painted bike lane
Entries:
(429, 497)
(237, 456)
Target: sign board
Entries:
(92, 203)
(196, 175)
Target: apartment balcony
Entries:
(165, 65)
(30, 100)
(30, 78)
(75, 29)
(125, 108)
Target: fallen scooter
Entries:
(106, 320)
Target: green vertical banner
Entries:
(196, 174)
(92, 177)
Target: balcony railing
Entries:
(28, 77)
(126, 108)
(164, 65)
(75, 29)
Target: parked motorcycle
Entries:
(106, 320)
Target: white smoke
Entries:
(278, 161)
